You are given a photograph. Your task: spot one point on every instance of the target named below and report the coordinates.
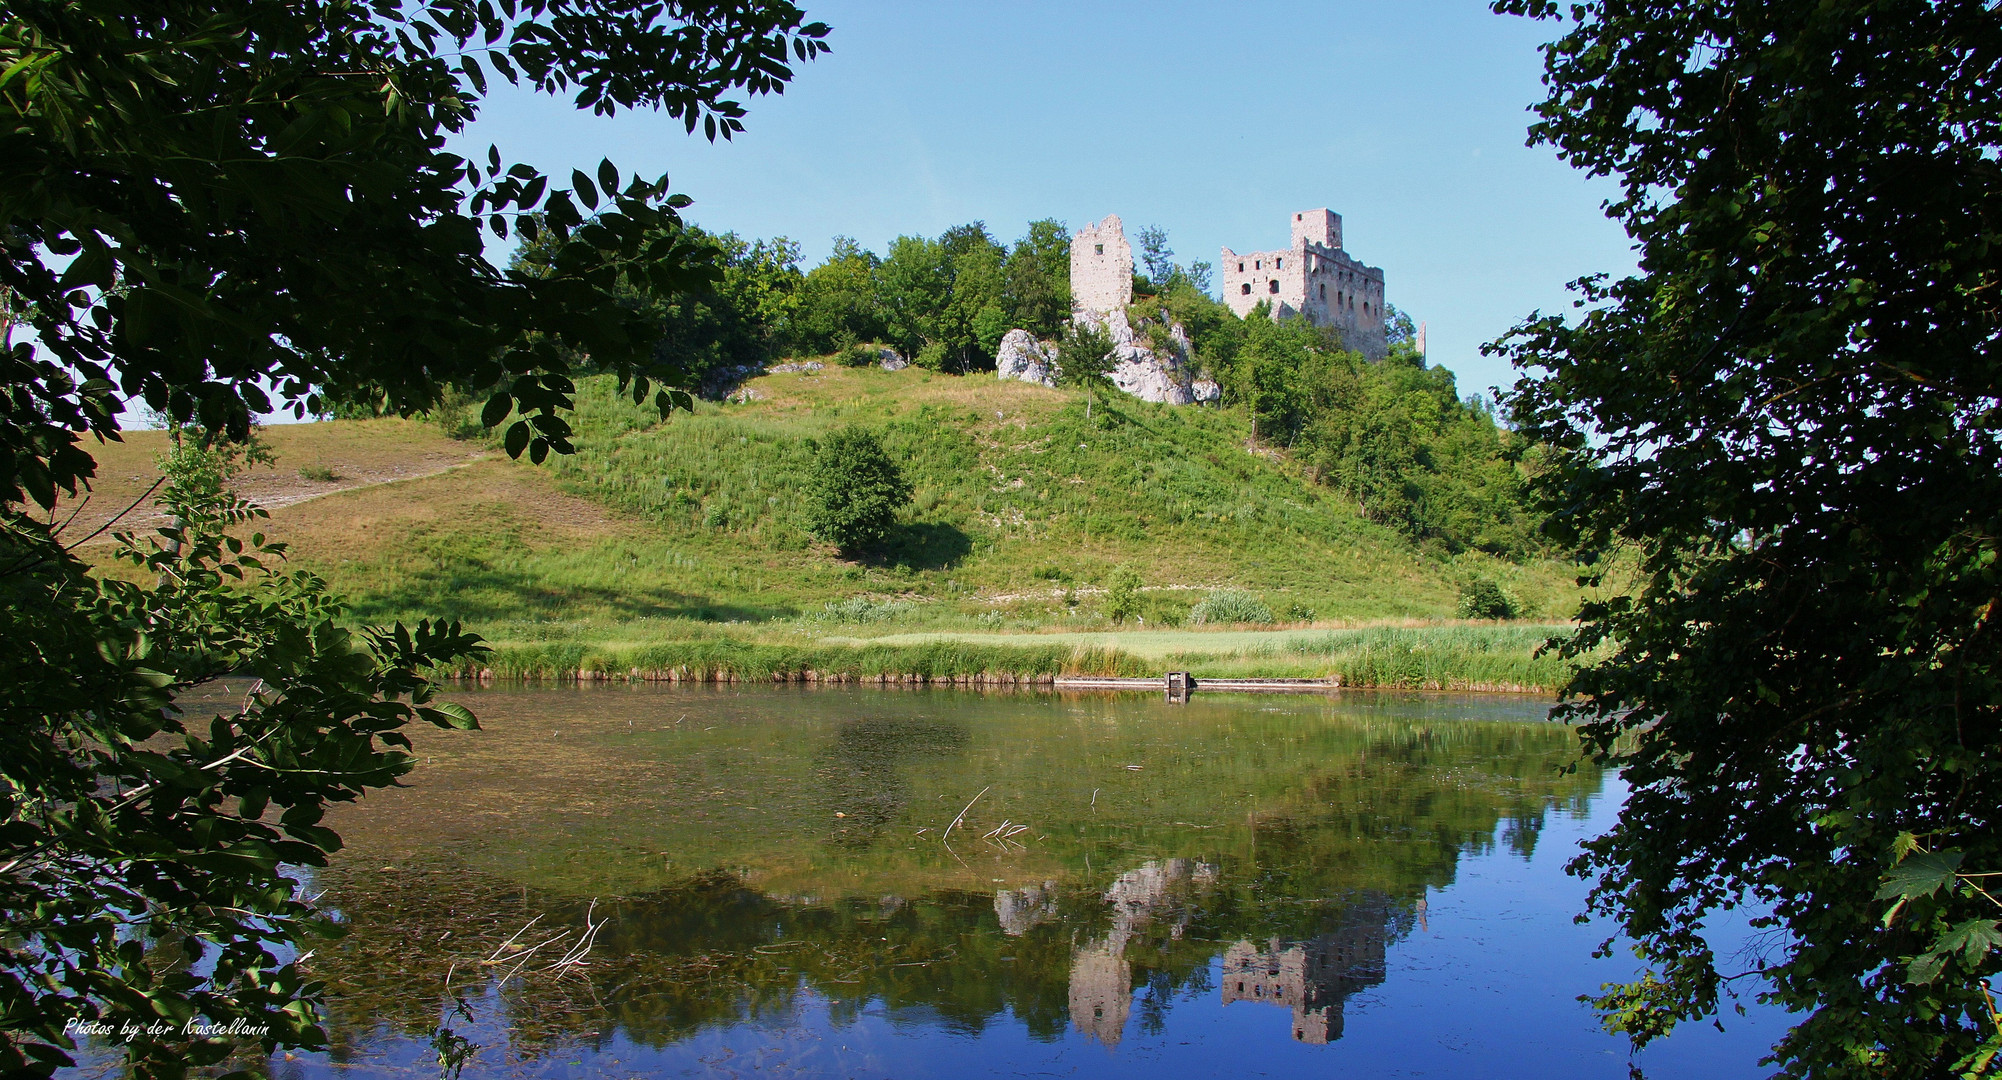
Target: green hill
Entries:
(689, 529)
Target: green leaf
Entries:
(1973, 940)
(451, 714)
(582, 185)
(1924, 968)
(1920, 875)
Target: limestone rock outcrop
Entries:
(888, 360)
(1022, 357)
(1206, 391)
(1143, 370)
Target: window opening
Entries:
(1275, 284)
(1098, 249)
(1247, 288)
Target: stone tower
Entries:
(1314, 278)
(1101, 267)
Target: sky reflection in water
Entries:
(1368, 885)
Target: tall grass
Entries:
(1441, 657)
(1499, 658)
(726, 659)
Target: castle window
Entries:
(1324, 292)
(1247, 288)
(1275, 285)
(1098, 249)
(1279, 264)
(1240, 268)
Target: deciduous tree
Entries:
(203, 205)
(1791, 417)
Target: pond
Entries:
(655, 881)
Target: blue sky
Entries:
(1214, 121)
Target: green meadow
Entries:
(678, 543)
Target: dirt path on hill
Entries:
(355, 456)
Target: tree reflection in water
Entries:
(1277, 863)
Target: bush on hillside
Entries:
(853, 491)
(1483, 599)
(1122, 594)
(865, 609)
(1230, 606)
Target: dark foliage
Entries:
(207, 203)
(1790, 416)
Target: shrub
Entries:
(1483, 599)
(1122, 594)
(1298, 612)
(318, 473)
(932, 357)
(1230, 606)
(853, 490)
(863, 609)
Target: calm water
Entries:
(1367, 885)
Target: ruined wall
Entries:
(1101, 267)
(1323, 227)
(1314, 278)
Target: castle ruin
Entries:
(1101, 267)
(1313, 278)
(1314, 977)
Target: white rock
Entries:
(1148, 379)
(803, 366)
(1138, 370)
(1022, 357)
(890, 361)
(1206, 391)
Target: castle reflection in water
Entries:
(1311, 977)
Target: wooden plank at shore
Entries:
(1216, 685)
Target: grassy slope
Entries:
(656, 533)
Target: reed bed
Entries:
(1501, 657)
(728, 660)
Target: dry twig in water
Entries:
(962, 812)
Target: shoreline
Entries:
(1505, 659)
(982, 680)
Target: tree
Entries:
(761, 279)
(1789, 419)
(206, 204)
(1085, 359)
(914, 286)
(1157, 259)
(1039, 278)
(1122, 594)
(976, 316)
(838, 299)
(853, 491)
